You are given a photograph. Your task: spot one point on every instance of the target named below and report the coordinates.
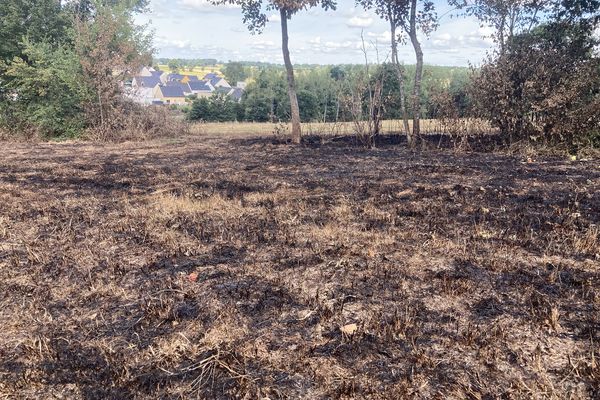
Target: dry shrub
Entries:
(135, 122)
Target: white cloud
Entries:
(204, 5)
(360, 22)
(261, 44)
(187, 28)
(380, 37)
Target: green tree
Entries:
(36, 20)
(255, 18)
(222, 108)
(200, 110)
(174, 66)
(235, 72)
(61, 69)
(309, 105)
(49, 92)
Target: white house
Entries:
(143, 88)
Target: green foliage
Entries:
(321, 92)
(217, 108)
(235, 72)
(48, 92)
(190, 63)
(174, 66)
(62, 64)
(36, 20)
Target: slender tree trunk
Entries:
(296, 129)
(418, 70)
(501, 33)
(396, 63)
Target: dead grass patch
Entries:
(235, 268)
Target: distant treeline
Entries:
(324, 92)
(188, 62)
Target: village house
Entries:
(169, 94)
(166, 78)
(152, 86)
(149, 71)
(143, 88)
(216, 81)
(185, 87)
(236, 93)
(201, 88)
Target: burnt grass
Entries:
(211, 267)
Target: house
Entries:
(185, 87)
(201, 88)
(216, 80)
(190, 78)
(145, 71)
(169, 94)
(143, 88)
(149, 71)
(236, 94)
(174, 78)
(145, 82)
(166, 78)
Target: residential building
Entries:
(201, 88)
(142, 88)
(169, 94)
(236, 94)
(185, 87)
(216, 81)
(190, 78)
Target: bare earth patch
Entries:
(238, 268)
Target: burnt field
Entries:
(238, 268)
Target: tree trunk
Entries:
(412, 33)
(396, 63)
(295, 109)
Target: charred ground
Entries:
(224, 268)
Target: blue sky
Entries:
(197, 29)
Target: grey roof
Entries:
(174, 77)
(211, 76)
(222, 90)
(199, 86)
(236, 93)
(172, 91)
(193, 78)
(184, 86)
(147, 81)
(156, 73)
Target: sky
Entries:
(197, 29)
